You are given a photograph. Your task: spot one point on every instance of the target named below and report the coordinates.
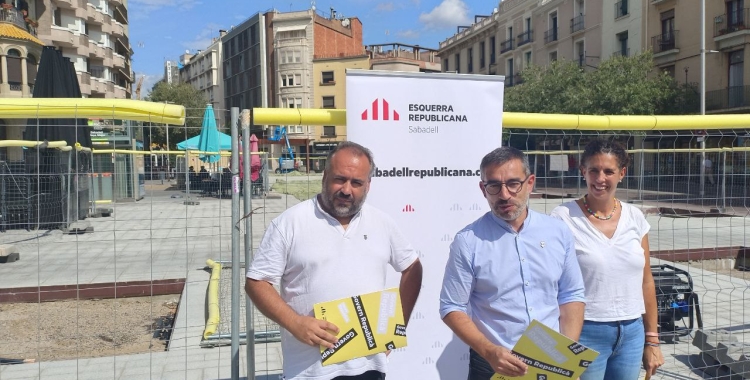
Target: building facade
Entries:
(94, 35)
(20, 51)
(204, 72)
(521, 33)
(244, 68)
(171, 72)
(329, 86)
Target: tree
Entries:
(619, 86)
(182, 94)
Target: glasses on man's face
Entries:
(513, 186)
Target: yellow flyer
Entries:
(550, 355)
(368, 324)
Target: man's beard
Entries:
(519, 204)
(344, 211)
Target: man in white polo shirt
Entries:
(329, 247)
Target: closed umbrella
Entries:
(208, 140)
(56, 78)
(255, 165)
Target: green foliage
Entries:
(619, 86)
(185, 95)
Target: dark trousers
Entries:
(369, 375)
(479, 369)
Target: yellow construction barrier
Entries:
(32, 144)
(88, 108)
(302, 116)
(212, 323)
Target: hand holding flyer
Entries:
(550, 355)
(368, 324)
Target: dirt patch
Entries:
(85, 329)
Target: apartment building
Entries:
(520, 33)
(203, 70)
(94, 35)
(674, 36)
(244, 69)
(311, 51)
(172, 71)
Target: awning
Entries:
(289, 28)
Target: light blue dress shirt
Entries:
(503, 279)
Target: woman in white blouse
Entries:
(620, 320)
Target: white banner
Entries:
(428, 133)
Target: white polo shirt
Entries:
(612, 268)
(313, 259)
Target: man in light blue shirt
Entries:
(507, 268)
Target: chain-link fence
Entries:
(126, 294)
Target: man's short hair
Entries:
(502, 155)
(358, 151)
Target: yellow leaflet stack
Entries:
(550, 355)
(368, 324)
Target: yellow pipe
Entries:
(90, 108)
(302, 116)
(212, 323)
(31, 144)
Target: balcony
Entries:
(550, 36)
(506, 45)
(97, 72)
(120, 92)
(621, 9)
(731, 30)
(15, 17)
(118, 61)
(576, 24)
(115, 3)
(94, 15)
(66, 4)
(727, 24)
(82, 47)
(624, 52)
(733, 97)
(63, 36)
(525, 37)
(664, 43)
(96, 51)
(84, 81)
(118, 30)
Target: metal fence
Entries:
(131, 297)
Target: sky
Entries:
(162, 30)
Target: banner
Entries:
(428, 133)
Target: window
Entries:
(445, 65)
(13, 61)
(622, 41)
(492, 50)
(509, 72)
(481, 54)
(329, 131)
(527, 59)
(553, 56)
(470, 59)
(327, 78)
(735, 15)
(328, 102)
(621, 8)
(57, 17)
(551, 34)
(86, 28)
(291, 102)
(458, 62)
(667, 40)
(736, 78)
(580, 53)
(286, 35)
(290, 80)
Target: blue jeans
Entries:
(620, 347)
